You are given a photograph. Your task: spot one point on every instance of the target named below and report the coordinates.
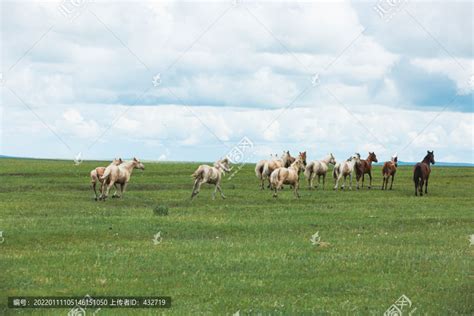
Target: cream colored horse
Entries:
(211, 175)
(318, 168)
(344, 169)
(119, 174)
(259, 167)
(264, 172)
(290, 175)
(99, 172)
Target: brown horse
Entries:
(388, 170)
(365, 166)
(421, 173)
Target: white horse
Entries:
(99, 172)
(211, 175)
(290, 175)
(273, 163)
(119, 174)
(318, 168)
(344, 169)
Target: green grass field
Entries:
(250, 252)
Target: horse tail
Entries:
(106, 174)
(259, 169)
(417, 174)
(335, 171)
(266, 170)
(308, 171)
(274, 177)
(198, 173)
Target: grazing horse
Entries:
(318, 168)
(264, 171)
(119, 174)
(290, 175)
(421, 173)
(344, 169)
(363, 167)
(211, 175)
(99, 172)
(388, 170)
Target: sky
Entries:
(196, 81)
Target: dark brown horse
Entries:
(388, 170)
(421, 173)
(363, 167)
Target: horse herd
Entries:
(278, 171)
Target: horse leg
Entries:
(350, 181)
(115, 195)
(93, 185)
(324, 180)
(421, 186)
(214, 192)
(107, 190)
(218, 186)
(391, 184)
(196, 187)
(416, 186)
(337, 182)
(370, 179)
(344, 184)
(357, 180)
(122, 189)
(426, 186)
(383, 182)
(310, 181)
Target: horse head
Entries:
(298, 164)
(223, 164)
(332, 159)
(138, 164)
(302, 157)
(372, 157)
(430, 157)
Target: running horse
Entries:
(421, 173)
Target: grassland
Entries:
(249, 252)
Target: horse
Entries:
(260, 166)
(290, 175)
(388, 170)
(421, 173)
(363, 167)
(264, 168)
(120, 174)
(211, 175)
(318, 168)
(99, 172)
(344, 169)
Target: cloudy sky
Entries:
(189, 80)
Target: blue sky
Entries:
(317, 76)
